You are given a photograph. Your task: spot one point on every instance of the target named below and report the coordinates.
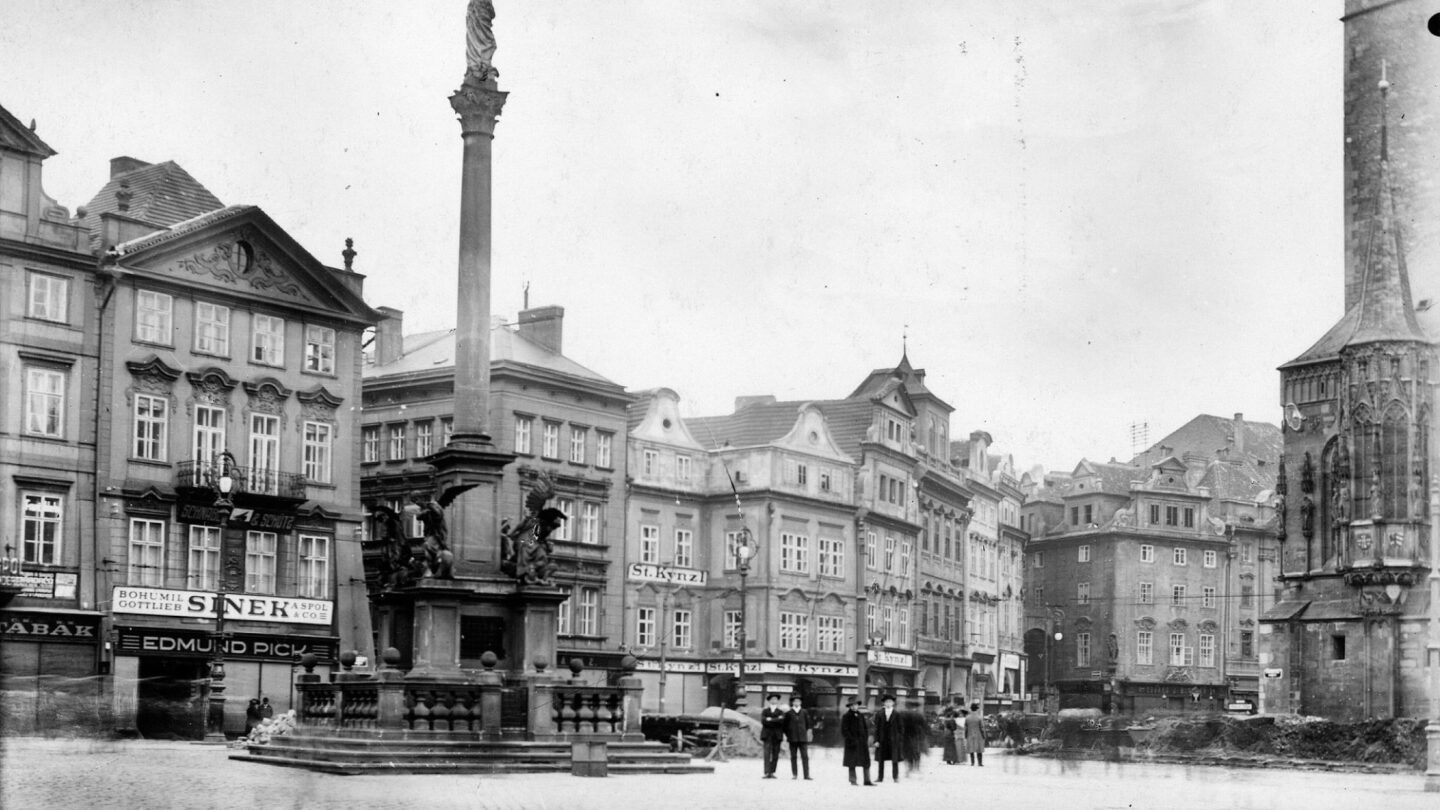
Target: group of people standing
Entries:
(892, 736)
(258, 710)
(965, 733)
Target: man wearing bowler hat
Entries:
(887, 740)
(855, 731)
(772, 732)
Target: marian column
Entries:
(471, 458)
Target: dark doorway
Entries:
(171, 700)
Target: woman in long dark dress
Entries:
(949, 727)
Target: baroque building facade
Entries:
(186, 386)
(1347, 640)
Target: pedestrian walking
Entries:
(948, 727)
(855, 732)
(798, 732)
(772, 732)
(975, 736)
(887, 740)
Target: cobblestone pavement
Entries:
(66, 774)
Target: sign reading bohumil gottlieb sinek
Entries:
(245, 607)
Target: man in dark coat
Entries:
(855, 731)
(797, 735)
(772, 732)
(887, 740)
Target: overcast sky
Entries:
(1084, 214)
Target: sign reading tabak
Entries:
(245, 607)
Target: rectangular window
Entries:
(732, 542)
(317, 451)
(1147, 553)
(1247, 553)
(44, 402)
(565, 530)
(268, 340)
(681, 638)
(802, 474)
(40, 519)
(1144, 647)
(1180, 655)
(1089, 514)
(904, 557)
(1172, 516)
(1207, 650)
(563, 617)
(1039, 559)
(152, 316)
(1082, 649)
(447, 429)
(587, 622)
(1179, 558)
(645, 626)
(320, 349)
(824, 482)
(1177, 595)
(577, 445)
(682, 469)
(832, 557)
(1147, 593)
(1082, 593)
(795, 553)
(1074, 516)
(370, 443)
(1189, 517)
(424, 439)
(1211, 558)
(1085, 553)
(1154, 514)
(208, 441)
(1247, 644)
(49, 297)
(212, 329)
(684, 548)
(551, 446)
(872, 619)
(260, 552)
(829, 634)
(1247, 596)
(1207, 597)
(264, 454)
(870, 550)
(794, 632)
(524, 427)
(314, 566)
(731, 632)
(649, 463)
(888, 628)
(649, 544)
(203, 568)
(147, 552)
(395, 442)
(603, 442)
(152, 422)
(590, 523)
(904, 626)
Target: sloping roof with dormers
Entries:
(425, 351)
(161, 194)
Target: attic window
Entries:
(665, 423)
(1170, 479)
(244, 257)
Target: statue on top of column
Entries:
(480, 40)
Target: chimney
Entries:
(1240, 435)
(742, 403)
(979, 443)
(389, 336)
(124, 163)
(543, 325)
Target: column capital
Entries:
(478, 103)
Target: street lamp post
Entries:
(224, 484)
(744, 550)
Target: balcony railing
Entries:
(194, 474)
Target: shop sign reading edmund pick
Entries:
(238, 606)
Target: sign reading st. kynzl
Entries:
(243, 607)
(665, 573)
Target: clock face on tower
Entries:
(1293, 418)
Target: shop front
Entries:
(166, 644)
(49, 671)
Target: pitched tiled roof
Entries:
(764, 422)
(161, 194)
(1243, 480)
(1115, 479)
(430, 350)
(1207, 435)
(15, 135)
(913, 380)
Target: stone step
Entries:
(468, 766)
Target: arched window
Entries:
(1362, 468)
(1328, 512)
(1395, 464)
